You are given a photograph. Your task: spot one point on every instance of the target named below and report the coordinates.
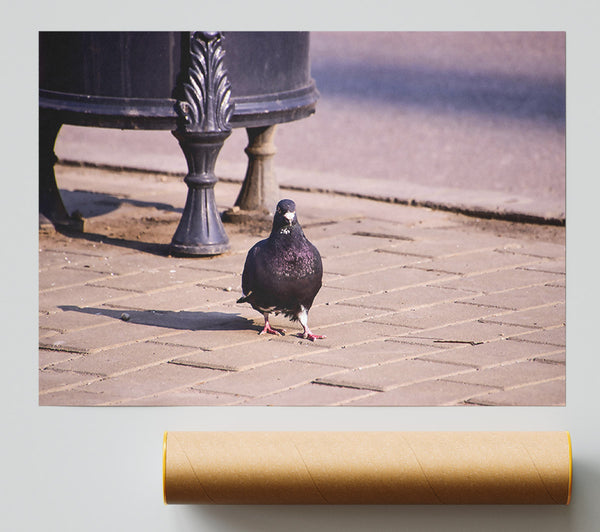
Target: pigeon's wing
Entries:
(250, 268)
(310, 285)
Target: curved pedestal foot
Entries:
(200, 231)
(51, 207)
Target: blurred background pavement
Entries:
(469, 121)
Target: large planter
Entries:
(196, 84)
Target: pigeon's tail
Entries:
(244, 299)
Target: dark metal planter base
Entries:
(51, 206)
(260, 191)
(200, 231)
(196, 84)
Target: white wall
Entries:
(99, 469)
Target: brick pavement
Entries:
(420, 307)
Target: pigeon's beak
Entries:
(289, 216)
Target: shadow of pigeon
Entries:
(183, 320)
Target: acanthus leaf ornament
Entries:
(206, 104)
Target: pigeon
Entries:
(283, 273)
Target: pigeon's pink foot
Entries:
(308, 335)
(270, 330)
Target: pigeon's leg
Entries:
(303, 317)
(270, 330)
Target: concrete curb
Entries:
(482, 204)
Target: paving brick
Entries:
(328, 277)
(512, 375)
(420, 227)
(49, 357)
(490, 353)
(338, 313)
(76, 397)
(49, 259)
(329, 294)
(45, 334)
(56, 278)
(83, 262)
(388, 376)
(469, 332)
(477, 261)
(201, 275)
(187, 320)
(521, 298)
(84, 296)
(226, 263)
(176, 299)
(208, 339)
(230, 283)
(67, 253)
(502, 280)
(554, 266)
(421, 217)
(348, 334)
(240, 239)
(544, 316)
(71, 318)
(538, 248)
(329, 225)
(437, 392)
(123, 359)
(152, 380)
(271, 378)
(126, 263)
(307, 395)
(51, 379)
(170, 321)
(388, 218)
(150, 280)
(102, 337)
(366, 354)
(552, 358)
(344, 245)
(559, 282)
(442, 248)
(371, 261)
(457, 231)
(427, 342)
(438, 314)
(412, 297)
(550, 393)
(400, 277)
(554, 336)
(184, 397)
(264, 350)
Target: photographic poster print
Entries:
(417, 257)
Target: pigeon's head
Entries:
(285, 216)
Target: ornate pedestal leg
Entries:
(200, 231)
(204, 110)
(51, 206)
(260, 191)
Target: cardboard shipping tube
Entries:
(367, 467)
